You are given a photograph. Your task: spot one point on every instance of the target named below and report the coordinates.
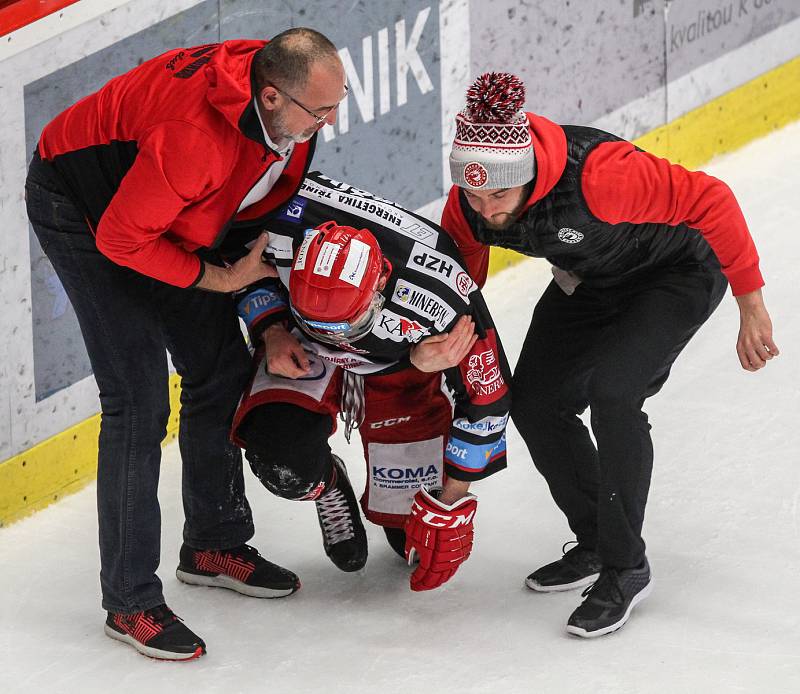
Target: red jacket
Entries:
(620, 184)
(161, 157)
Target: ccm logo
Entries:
(437, 520)
(389, 422)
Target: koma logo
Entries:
(403, 473)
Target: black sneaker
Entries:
(609, 602)
(577, 568)
(157, 633)
(241, 569)
(397, 540)
(343, 534)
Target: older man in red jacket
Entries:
(129, 192)
(642, 251)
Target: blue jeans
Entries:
(128, 322)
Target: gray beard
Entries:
(297, 139)
(286, 137)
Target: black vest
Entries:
(561, 228)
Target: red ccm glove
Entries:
(440, 535)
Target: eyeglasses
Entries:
(319, 120)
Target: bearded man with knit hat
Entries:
(641, 252)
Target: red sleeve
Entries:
(476, 446)
(623, 184)
(475, 254)
(172, 169)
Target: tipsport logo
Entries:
(474, 456)
(456, 452)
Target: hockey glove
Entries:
(440, 535)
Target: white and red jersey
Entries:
(428, 290)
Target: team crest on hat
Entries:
(493, 144)
(475, 174)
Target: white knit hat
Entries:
(493, 147)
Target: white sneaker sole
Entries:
(223, 581)
(641, 595)
(149, 651)
(580, 583)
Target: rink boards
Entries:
(686, 81)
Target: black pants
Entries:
(128, 321)
(606, 349)
(287, 448)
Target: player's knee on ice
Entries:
(287, 448)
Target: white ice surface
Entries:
(723, 533)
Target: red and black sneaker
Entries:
(241, 569)
(157, 633)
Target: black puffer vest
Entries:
(560, 228)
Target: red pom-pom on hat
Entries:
(493, 145)
(495, 97)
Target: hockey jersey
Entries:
(428, 291)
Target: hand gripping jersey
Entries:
(428, 290)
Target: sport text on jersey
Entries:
(343, 196)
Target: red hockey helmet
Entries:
(333, 286)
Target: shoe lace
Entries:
(162, 615)
(243, 552)
(351, 407)
(606, 589)
(564, 550)
(334, 514)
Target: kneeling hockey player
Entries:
(361, 284)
